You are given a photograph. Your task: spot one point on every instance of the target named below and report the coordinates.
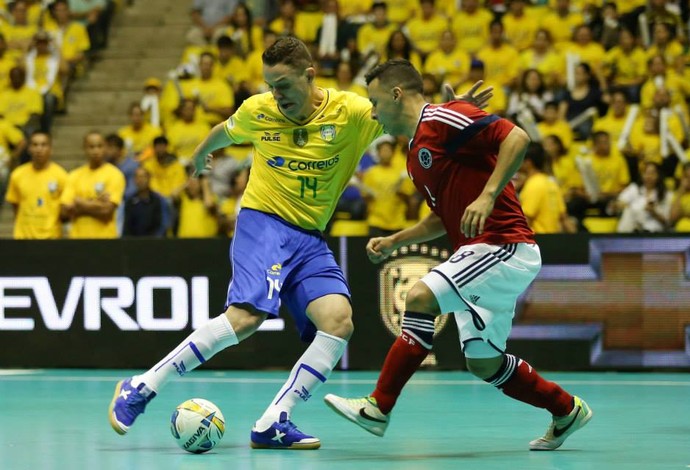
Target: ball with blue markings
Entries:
(197, 425)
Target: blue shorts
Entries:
(274, 261)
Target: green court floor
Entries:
(445, 420)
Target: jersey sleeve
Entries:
(367, 128)
(240, 125)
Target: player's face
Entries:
(291, 88)
(384, 109)
(39, 149)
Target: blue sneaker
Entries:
(128, 403)
(283, 434)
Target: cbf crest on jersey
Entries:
(397, 276)
(300, 137)
(328, 132)
(52, 187)
(425, 158)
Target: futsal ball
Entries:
(197, 425)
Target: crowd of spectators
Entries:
(601, 87)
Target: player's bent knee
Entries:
(421, 299)
(244, 322)
(340, 324)
(484, 368)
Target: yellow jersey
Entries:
(165, 178)
(426, 34)
(472, 31)
(612, 172)
(369, 37)
(37, 196)
(520, 31)
(195, 219)
(625, 68)
(17, 106)
(387, 209)
(301, 169)
(87, 183)
(451, 68)
(501, 64)
(560, 129)
(542, 203)
(567, 175)
(185, 136)
(137, 140)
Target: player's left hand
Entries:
(474, 218)
(481, 100)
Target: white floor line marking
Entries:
(413, 382)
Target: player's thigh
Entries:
(258, 253)
(318, 276)
(481, 284)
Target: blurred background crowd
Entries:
(602, 88)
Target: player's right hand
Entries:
(202, 167)
(380, 248)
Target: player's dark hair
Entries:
(289, 51)
(115, 140)
(396, 72)
(598, 134)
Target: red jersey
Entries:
(450, 159)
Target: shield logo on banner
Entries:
(328, 132)
(300, 137)
(405, 267)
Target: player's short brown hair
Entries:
(289, 51)
(397, 72)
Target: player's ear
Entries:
(397, 94)
(311, 72)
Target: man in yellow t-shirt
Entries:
(139, 134)
(71, 37)
(167, 173)
(387, 191)
(540, 197)
(501, 59)
(92, 193)
(373, 36)
(215, 95)
(308, 142)
(425, 30)
(34, 191)
(449, 64)
(471, 26)
(520, 27)
(20, 105)
(186, 132)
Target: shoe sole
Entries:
(581, 425)
(310, 446)
(344, 414)
(111, 416)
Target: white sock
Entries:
(310, 371)
(196, 349)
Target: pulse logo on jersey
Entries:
(270, 137)
(294, 165)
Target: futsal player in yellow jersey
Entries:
(34, 192)
(307, 142)
(92, 193)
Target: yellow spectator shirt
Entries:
(472, 31)
(195, 220)
(89, 184)
(165, 178)
(400, 11)
(612, 125)
(560, 129)
(520, 31)
(561, 29)
(426, 34)
(387, 209)
(370, 37)
(138, 140)
(625, 69)
(612, 172)
(72, 41)
(566, 173)
(451, 68)
(215, 93)
(551, 65)
(185, 136)
(17, 106)
(37, 195)
(300, 170)
(9, 136)
(542, 203)
(501, 64)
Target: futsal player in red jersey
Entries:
(462, 160)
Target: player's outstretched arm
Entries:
(217, 138)
(510, 155)
(480, 100)
(429, 228)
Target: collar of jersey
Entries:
(314, 114)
